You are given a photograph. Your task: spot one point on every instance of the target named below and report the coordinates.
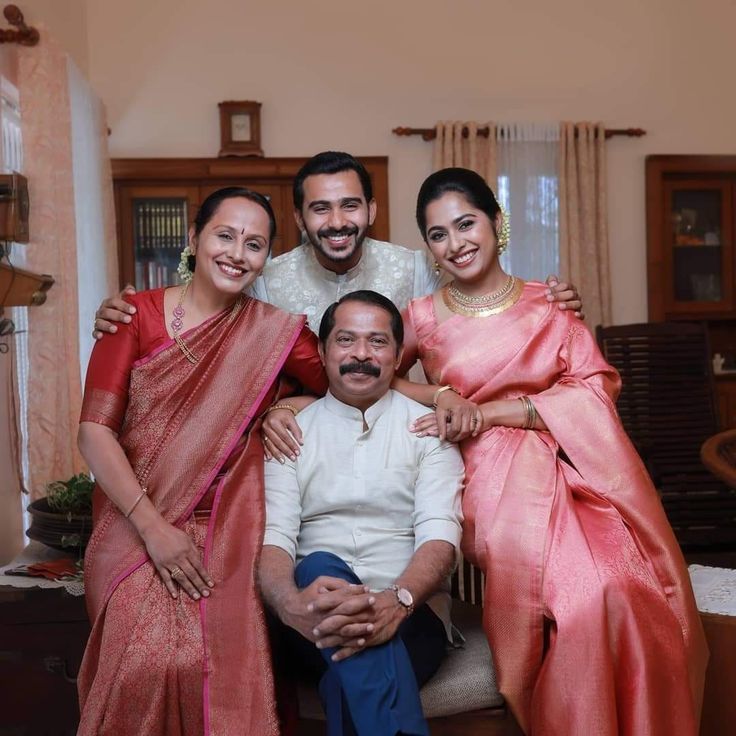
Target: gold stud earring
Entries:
(436, 266)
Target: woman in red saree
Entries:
(588, 605)
(179, 644)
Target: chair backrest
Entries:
(667, 406)
(468, 583)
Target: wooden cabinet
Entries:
(691, 253)
(43, 633)
(156, 200)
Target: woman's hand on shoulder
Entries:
(112, 310)
(177, 560)
(281, 434)
(454, 420)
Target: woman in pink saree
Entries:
(588, 605)
(179, 643)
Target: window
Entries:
(528, 189)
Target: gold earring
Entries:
(505, 232)
(436, 266)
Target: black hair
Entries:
(463, 181)
(364, 296)
(330, 162)
(210, 205)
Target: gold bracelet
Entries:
(441, 390)
(525, 405)
(530, 413)
(291, 408)
(143, 492)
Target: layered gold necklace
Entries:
(484, 305)
(178, 322)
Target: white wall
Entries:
(342, 74)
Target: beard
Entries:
(358, 234)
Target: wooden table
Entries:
(43, 632)
(719, 703)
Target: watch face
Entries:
(405, 597)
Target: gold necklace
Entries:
(483, 300)
(486, 304)
(177, 322)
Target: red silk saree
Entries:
(588, 605)
(156, 665)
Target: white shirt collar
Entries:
(372, 413)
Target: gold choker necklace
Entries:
(484, 305)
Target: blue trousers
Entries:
(376, 691)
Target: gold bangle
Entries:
(530, 413)
(525, 406)
(143, 492)
(441, 390)
(291, 408)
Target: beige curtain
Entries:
(11, 484)
(583, 217)
(474, 152)
(54, 391)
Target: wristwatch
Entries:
(406, 599)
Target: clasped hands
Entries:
(334, 613)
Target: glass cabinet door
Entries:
(159, 236)
(154, 229)
(699, 238)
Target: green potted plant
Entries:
(63, 519)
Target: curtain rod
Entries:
(429, 134)
(25, 35)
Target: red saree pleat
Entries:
(588, 606)
(155, 665)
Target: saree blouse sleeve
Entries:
(304, 365)
(108, 374)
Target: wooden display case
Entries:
(691, 253)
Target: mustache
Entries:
(330, 232)
(360, 367)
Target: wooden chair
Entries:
(462, 698)
(718, 454)
(667, 406)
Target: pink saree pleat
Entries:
(588, 606)
(161, 666)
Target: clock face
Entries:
(240, 127)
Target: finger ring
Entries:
(176, 570)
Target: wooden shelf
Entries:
(19, 288)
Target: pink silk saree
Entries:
(588, 605)
(155, 665)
